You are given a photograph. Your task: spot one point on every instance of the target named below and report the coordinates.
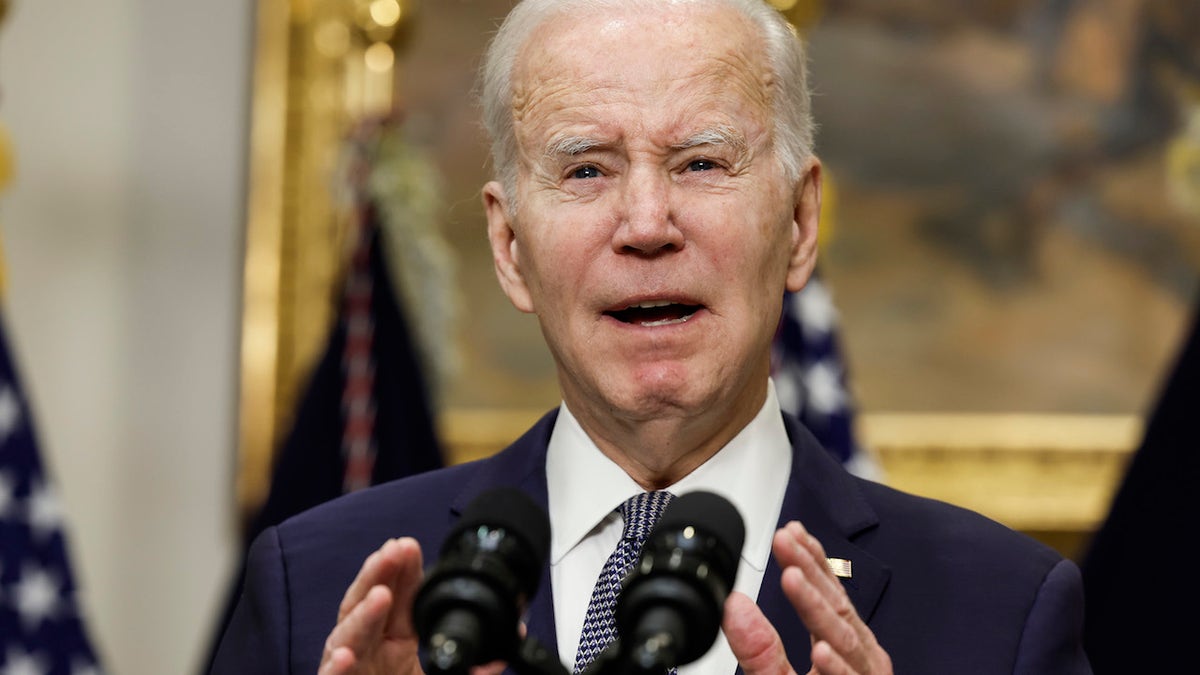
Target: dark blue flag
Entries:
(366, 415)
(810, 374)
(41, 627)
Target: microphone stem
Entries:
(453, 650)
(534, 659)
(653, 656)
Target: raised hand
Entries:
(842, 644)
(374, 634)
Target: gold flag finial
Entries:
(363, 40)
(388, 21)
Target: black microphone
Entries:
(468, 610)
(670, 607)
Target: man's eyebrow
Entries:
(570, 146)
(719, 135)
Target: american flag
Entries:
(41, 629)
(810, 374)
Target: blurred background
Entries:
(1010, 259)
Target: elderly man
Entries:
(656, 193)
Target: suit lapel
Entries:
(521, 465)
(828, 502)
(539, 616)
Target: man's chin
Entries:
(661, 399)
(674, 394)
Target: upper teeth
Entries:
(652, 304)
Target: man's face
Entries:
(654, 230)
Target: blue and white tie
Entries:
(640, 513)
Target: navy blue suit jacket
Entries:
(945, 590)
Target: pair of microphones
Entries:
(468, 610)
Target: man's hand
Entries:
(374, 632)
(841, 643)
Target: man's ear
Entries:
(806, 214)
(505, 249)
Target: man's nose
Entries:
(647, 220)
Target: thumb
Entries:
(753, 639)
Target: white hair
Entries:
(793, 127)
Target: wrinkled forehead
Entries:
(644, 54)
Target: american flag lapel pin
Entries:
(840, 567)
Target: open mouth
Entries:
(655, 313)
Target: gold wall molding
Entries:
(263, 255)
(1035, 473)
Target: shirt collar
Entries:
(751, 471)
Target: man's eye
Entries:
(701, 165)
(586, 172)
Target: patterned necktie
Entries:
(640, 513)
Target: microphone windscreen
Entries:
(709, 513)
(515, 512)
(670, 607)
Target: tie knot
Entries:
(640, 512)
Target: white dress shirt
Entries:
(586, 490)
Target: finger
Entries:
(358, 632)
(794, 546)
(753, 639)
(826, 660)
(405, 554)
(819, 615)
(340, 661)
(820, 600)
(378, 569)
(824, 606)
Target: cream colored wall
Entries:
(122, 238)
